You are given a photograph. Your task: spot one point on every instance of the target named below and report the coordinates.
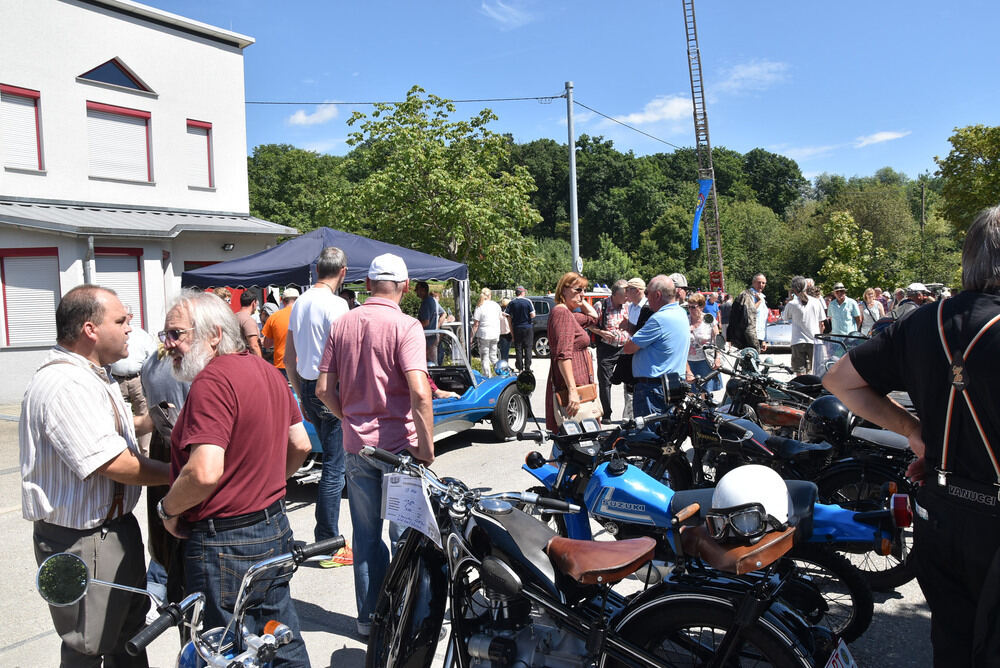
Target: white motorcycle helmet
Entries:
(748, 502)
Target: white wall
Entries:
(46, 44)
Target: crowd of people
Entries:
(214, 429)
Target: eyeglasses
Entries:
(576, 290)
(173, 335)
(747, 521)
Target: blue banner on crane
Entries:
(704, 188)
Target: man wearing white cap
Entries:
(844, 312)
(378, 352)
(916, 296)
(276, 328)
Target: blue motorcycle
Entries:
(588, 467)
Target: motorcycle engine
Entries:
(536, 642)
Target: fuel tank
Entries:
(621, 492)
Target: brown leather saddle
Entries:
(599, 562)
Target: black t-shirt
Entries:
(519, 310)
(909, 356)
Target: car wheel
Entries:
(542, 345)
(510, 414)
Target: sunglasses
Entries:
(748, 521)
(576, 290)
(172, 335)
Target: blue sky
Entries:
(841, 87)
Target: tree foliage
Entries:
(971, 174)
(845, 254)
(437, 185)
(289, 185)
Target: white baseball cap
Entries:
(388, 267)
(289, 293)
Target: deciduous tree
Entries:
(971, 174)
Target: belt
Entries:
(217, 524)
(647, 380)
(128, 376)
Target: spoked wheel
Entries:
(394, 609)
(689, 632)
(853, 491)
(510, 413)
(847, 597)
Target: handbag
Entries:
(587, 393)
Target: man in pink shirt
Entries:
(379, 353)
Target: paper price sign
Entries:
(406, 501)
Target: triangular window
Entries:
(115, 72)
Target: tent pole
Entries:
(462, 305)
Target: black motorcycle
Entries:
(521, 595)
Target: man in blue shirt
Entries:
(844, 313)
(659, 347)
(522, 313)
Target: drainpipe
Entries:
(87, 273)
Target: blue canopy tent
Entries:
(294, 261)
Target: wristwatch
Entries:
(163, 513)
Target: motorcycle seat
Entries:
(606, 562)
(889, 439)
(789, 449)
(738, 559)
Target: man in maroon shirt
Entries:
(236, 441)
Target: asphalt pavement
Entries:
(899, 634)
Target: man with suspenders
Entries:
(945, 356)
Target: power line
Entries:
(634, 129)
(542, 98)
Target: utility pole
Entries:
(574, 230)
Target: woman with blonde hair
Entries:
(702, 333)
(570, 391)
(486, 329)
(871, 311)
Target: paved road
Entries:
(899, 634)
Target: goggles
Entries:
(748, 521)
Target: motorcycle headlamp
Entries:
(746, 522)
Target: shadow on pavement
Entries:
(314, 618)
(348, 657)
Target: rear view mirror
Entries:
(526, 382)
(708, 317)
(62, 579)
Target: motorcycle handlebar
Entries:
(547, 502)
(171, 615)
(382, 455)
(302, 552)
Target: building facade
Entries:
(122, 162)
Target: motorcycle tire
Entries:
(848, 598)
(882, 572)
(687, 631)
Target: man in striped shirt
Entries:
(81, 472)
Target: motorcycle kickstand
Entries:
(750, 608)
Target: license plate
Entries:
(841, 657)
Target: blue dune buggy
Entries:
(496, 399)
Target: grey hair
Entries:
(620, 284)
(981, 253)
(799, 285)
(207, 312)
(331, 261)
(664, 285)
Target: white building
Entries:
(122, 162)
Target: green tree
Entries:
(883, 211)
(776, 179)
(439, 186)
(610, 264)
(751, 233)
(551, 259)
(971, 174)
(845, 254)
(289, 185)
(548, 162)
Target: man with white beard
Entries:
(236, 441)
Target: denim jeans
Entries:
(371, 557)
(215, 563)
(331, 482)
(647, 399)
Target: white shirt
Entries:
(761, 315)
(67, 431)
(141, 345)
(309, 325)
(634, 310)
(488, 317)
(805, 319)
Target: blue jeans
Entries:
(371, 557)
(215, 563)
(331, 482)
(647, 399)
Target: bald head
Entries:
(660, 291)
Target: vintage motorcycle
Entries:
(63, 579)
(521, 595)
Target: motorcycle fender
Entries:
(421, 569)
(546, 474)
(720, 588)
(835, 525)
(856, 466)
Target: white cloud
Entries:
(806, 152)
(507, 16)
(878, 138)
(660, 108)
(752, 76)
(323, 113)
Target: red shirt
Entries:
(242, 404)
(370, 350)
(568, 340)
